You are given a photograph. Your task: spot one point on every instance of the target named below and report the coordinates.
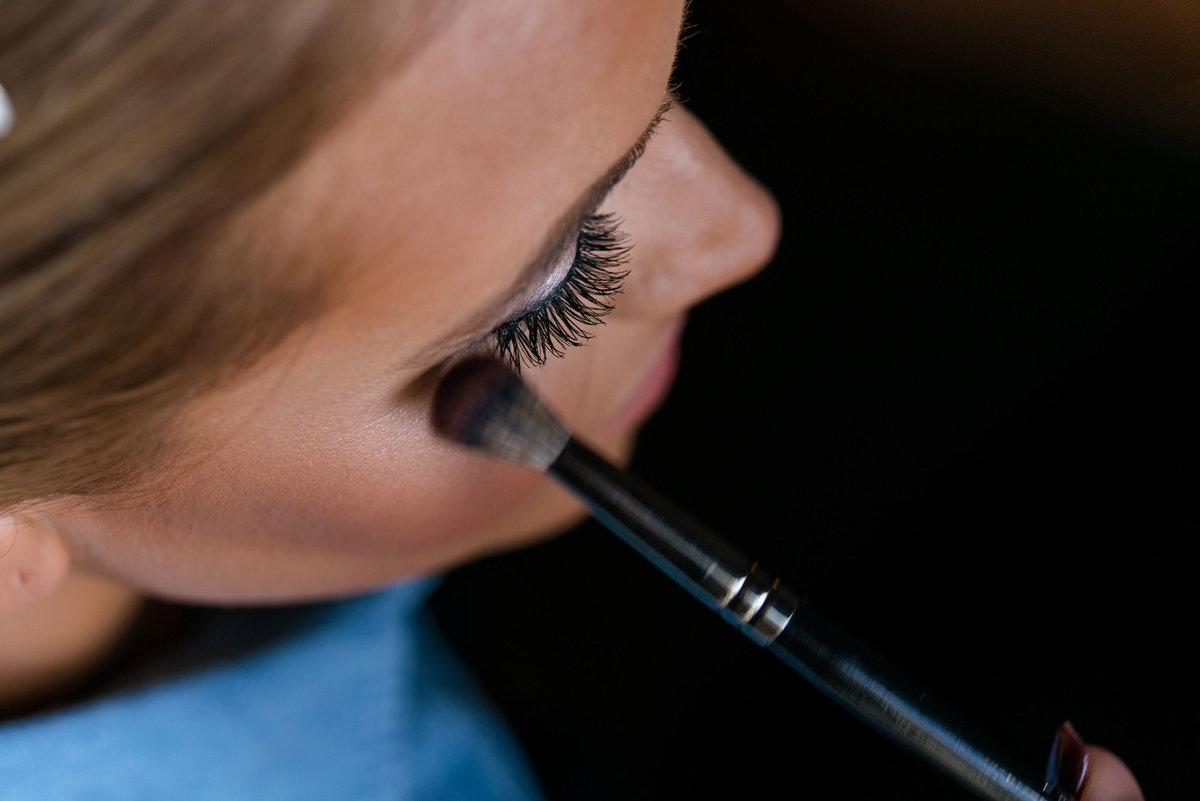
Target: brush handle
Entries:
(848, 672)
(772, 616)
(697, 559)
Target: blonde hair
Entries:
(141, 127)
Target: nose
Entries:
(697, 221)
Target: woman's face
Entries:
(441, 207)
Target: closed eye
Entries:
(523, 295)
(560, 317)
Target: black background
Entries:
(957, 412)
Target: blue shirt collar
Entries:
(350, 700)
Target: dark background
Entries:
(957, 413)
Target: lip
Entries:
(654, 386)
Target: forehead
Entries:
(445, 178)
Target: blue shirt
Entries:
(357, 700)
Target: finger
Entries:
(1107, 778)
(1088, 773)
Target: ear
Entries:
(34, 560)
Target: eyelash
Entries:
(578, 303)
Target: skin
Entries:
(316, 474)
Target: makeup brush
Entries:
(484, 405)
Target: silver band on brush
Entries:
(759, 605)
(698, 560)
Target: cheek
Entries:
(300, 489)
(435, 501)
(272, 520)
(400, 494)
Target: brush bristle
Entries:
(482, 404)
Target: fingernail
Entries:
(1067, 766)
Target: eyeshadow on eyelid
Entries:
(557, 274)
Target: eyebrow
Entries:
(483, 322)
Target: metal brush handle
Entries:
(772, 616)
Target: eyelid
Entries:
(567, 231)
(551, 281)
(578, 303)
(558, 257)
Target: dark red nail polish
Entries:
(1067, 766)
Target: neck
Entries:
(50, 648)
